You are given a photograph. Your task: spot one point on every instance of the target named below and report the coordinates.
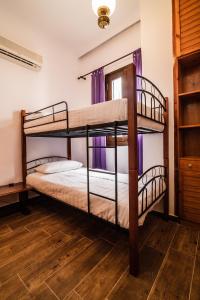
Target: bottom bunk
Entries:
(71, 188)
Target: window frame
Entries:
(121, 140)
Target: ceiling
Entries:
(73, 21)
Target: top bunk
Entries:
(103, 119)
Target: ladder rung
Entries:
(94, 147)
(103, 172)
(113, 200)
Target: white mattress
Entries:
(101, 113)
(71, 188)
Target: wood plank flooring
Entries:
(59, 253)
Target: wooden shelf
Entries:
(16, 188)
(190, 58)
(189, 126)
(187, 94)
(190, 157)
(189, 75)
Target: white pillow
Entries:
(58, 166)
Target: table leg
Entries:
(23, 198)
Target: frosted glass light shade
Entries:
(99, 3)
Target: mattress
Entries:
(71, 188)
(100, 113)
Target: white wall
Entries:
(125, 42)
(25, 89)
(21, 88)
(154, 35)
(157, 54)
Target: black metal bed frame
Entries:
(148, 96)
(157, 175)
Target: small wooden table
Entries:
(17, 188)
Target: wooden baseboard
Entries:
(170, 217)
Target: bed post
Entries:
(166, 160)
(69, 149)
(133, 169)
(23, 147)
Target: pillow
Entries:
(58, 166)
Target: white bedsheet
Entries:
(71, 188)
(100, 113)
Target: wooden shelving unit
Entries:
(189, 105)
(187, 139)
(186, 24)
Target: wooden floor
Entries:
(58, 253)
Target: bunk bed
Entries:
(145, 111)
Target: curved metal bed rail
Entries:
(152, 102)
(153, 187)
(153, 89)
(151, 172)
(32, 164)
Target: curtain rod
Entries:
(112, 62)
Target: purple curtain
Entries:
(98, 95)
(137, 60)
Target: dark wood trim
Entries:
(176, 139)
(121, 141)
(115, 73)
(130, 73)
(69, 149)
(166, 159)
(23, 148)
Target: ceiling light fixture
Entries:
(103, 9)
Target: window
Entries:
(116, 89)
